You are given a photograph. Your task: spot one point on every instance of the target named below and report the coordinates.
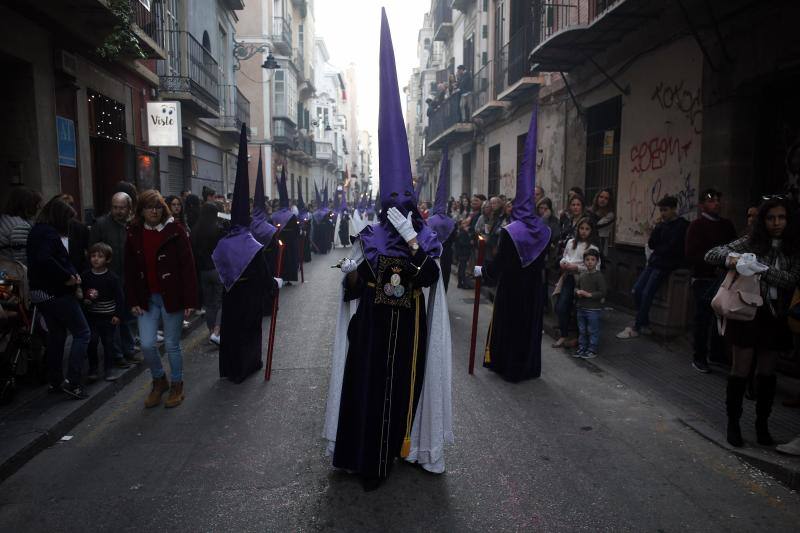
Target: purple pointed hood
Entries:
(396, 187)
(529, 233)
(260, 227)
(283, 215)
(442, 224)
(235, 251)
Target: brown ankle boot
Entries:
(175, 394)
(160, 386)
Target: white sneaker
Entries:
(185, 324)
(214, 338)
(159, 337)
(790, 448)
(200, 312)
(627, 333)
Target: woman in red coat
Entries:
(161, 285)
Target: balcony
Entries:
(324, 151)
(513, 78)
(566, 34)
(463, 5)
(446, 125)
(234, 110)
(149, 28)
(442, 21)
(284, 134)
(485, 104)
(304, 149)
(282, 35)
(189, 74)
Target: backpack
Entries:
(738, 298)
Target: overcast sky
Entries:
(351, 29)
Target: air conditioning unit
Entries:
(66, 62)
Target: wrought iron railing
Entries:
(442, 13)
(190, 68)
(151, 21)
(282, 32)
(556, 16)
(234, 108)
(447, 115)
(482, 92)
(242, 109)
(283, 132)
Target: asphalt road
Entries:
(574, 450)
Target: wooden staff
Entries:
(274, 318)
(476, 306)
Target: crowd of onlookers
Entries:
(128, 278)
(458, 85)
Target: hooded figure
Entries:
(442, 224)
(288, 227)
(514, 342)
(245, 273)
(343, 229)
(260, 227)
(304, 217)
(374, 395)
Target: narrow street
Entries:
(574, 450)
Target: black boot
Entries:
(765, 394)
(734, 395)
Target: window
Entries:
(285, 98)
(602, 147)
(494, 170)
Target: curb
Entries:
(45, 437)
(785, 469)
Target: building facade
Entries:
(642, 97)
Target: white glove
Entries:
(348, 265)
(402, 224)
(478, 272)
(279, 281)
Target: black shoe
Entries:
(734, 396)
(133, 359)
(701, 366)
(734, 434)
(121, 363)
(92, 376)
(76, 391)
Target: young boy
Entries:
(590, 289)
(103, 301)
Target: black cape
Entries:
(290, 236)
(240, 330)
(344, 230)
(377, 407)
(514, 342)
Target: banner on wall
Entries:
(660, 139)
(164, 124)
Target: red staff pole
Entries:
(274, 318)
(476, 306)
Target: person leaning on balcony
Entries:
(774, 241)
(160, 286)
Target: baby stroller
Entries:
(21, 352)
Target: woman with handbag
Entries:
(773, 240)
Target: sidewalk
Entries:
(661, 367)
(35, 420)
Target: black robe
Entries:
(305, 237)
(344, 230)
(290, 236)
(241, 342)
(514, 342)
(446, 261)
(374, 414)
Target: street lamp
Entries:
(243, 51)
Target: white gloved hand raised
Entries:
(478, 272)
(403, 225)
(279, 281)
(348, 265)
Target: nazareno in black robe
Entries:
(290, 236)
(514, 343)
(241, 342)
(383, 365)
(344, 230)
(305, 236)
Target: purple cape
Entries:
(233, 253)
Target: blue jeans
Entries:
(644, 291)
(148, 328)
(564, 304)
(64, 314)
(589, 329)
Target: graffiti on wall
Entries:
(661, 140)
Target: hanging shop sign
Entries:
(164, 124)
